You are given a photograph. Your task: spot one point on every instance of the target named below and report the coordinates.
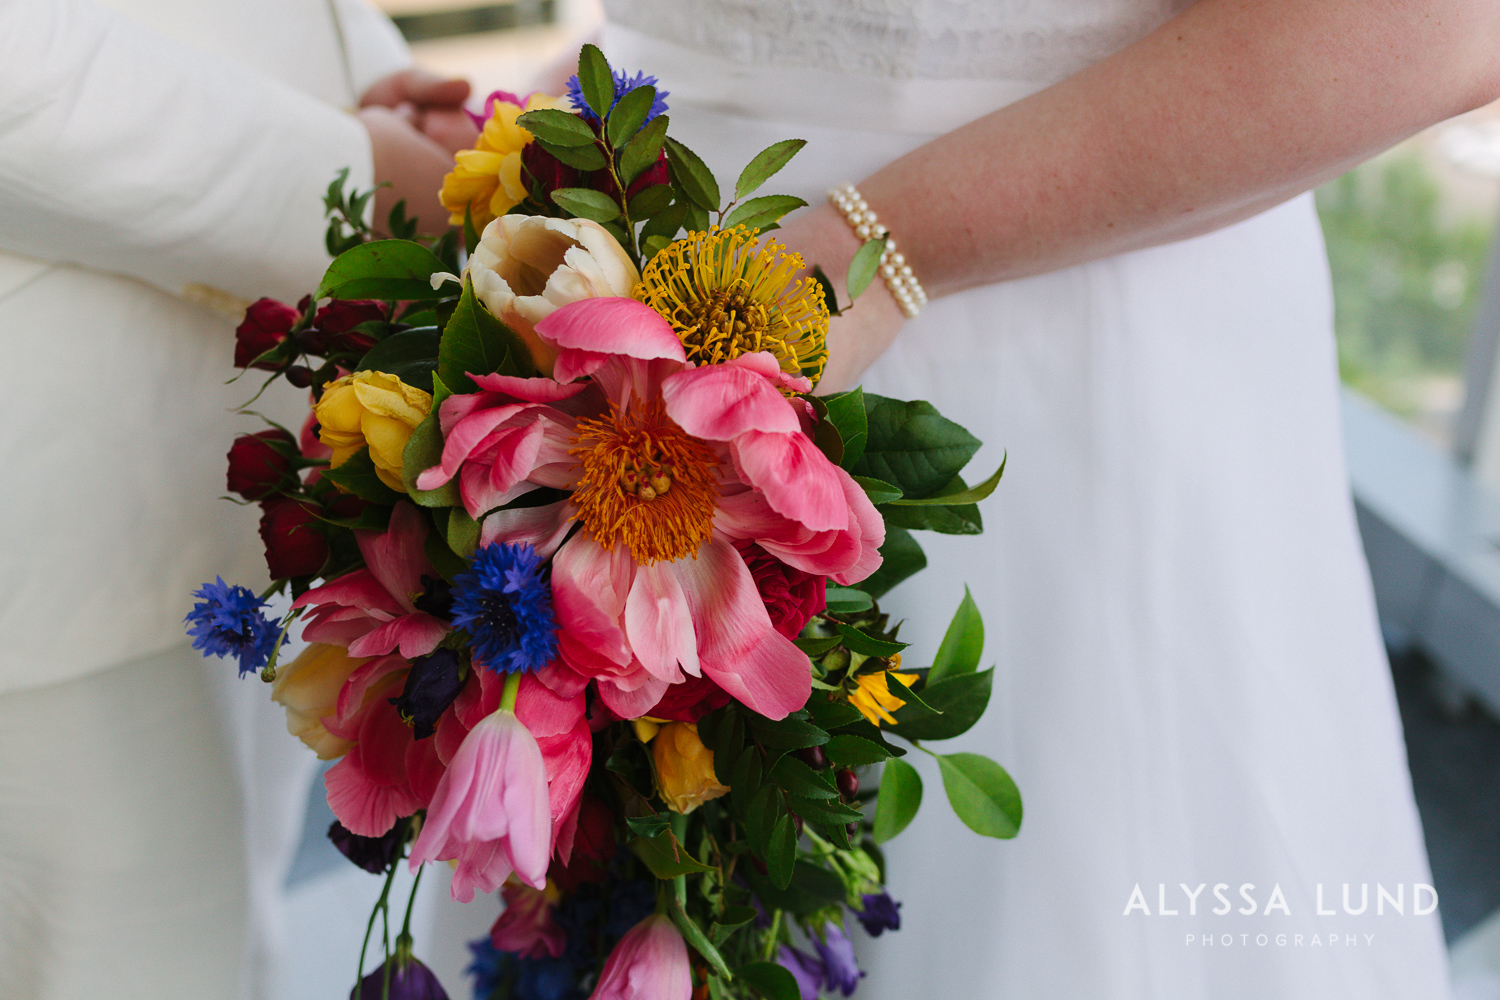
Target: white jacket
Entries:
(154, 155)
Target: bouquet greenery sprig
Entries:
(588, 574)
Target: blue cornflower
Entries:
(228, 621)
(489, 967)
(881, 913)
(504, 601)
(623, 86)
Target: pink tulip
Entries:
(371, 610)
(490, 811)
(649, 963)
(670, 467)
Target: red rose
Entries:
(256, 466)
(266, 324)
(691, 700)
(294, 544)
(548, 171)
(791, 596)
(333, 327)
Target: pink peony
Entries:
(649, 963)
(670, 468)
(490, 811)
(372, 610)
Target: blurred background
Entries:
(1410, 239)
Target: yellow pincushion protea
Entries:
(728, 294)
(487, 180)
(873, 697)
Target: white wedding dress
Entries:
(1190, 685)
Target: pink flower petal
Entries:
(590, 331)
(659, 625)
(740, 649)
(721, 402)
(396, 557)
(359, 589)
(649, 963)
(796, 478)
(543, 528)
(530, 390)
(414, 635)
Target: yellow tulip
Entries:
(371, 409)
(684, 768)
(308, 688)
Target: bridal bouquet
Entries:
(588, 575)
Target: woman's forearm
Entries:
(1231, 107)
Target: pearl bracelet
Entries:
(904, 285)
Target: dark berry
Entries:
(848, 783)
(814, 757)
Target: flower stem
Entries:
(512, 689)
(406, 924)
(369, 927)
(774, 935)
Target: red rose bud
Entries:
(333, 326)
(791, 596)
(294, 544)
(256, 467)
(547, 170)
(266, 324)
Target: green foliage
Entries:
(424, 449)
(763, 212)
(952, 706)
(962, 643)
(899, 799)
(901, 556)
(982, 794)
(385, 269)
(764, 165)
(863, 267)
(357, 475)
(691, 176)
(475, 342)
(410, 355)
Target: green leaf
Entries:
(759, 213)
(648, 826)
(913, 446)
(982, 793)
(471, 235)
(901, 556)
(846, 411)
(728, 738)
(697, 939)
(383, 269)
(558, 128)
(653, 245)
(765, 164)
(781, 853)
(665, 856)
(424, 449)
(858, 642)
(788, 734)
(813, 888)
(697, 219)
(649, 202)
(899, 799)
(357, 475)
(770, 980)
(962, 643)
(745, 777)
(966, 496)
(581, 157)
(848, 601)
(854, 751)
(443, 559)
(799, 779)
(629, 115)
(950, 519)
(825, 812)
(586, 203)
(463, 533)
(961, 700)
(817, 646)
(643, 150)
(692, 175)
(878, 490)
(475, 341)
(833, 714)
(665, 223)
(766, 806)
(596, 80)
(410, 355)
(863, 267)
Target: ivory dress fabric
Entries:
(1190, 685)
(155, 155)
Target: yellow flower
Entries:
(727, 295)
(873, 696)
(374, 409)
(684, 768)
(308, 688)
(487, 179)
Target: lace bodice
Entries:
(1035, 41)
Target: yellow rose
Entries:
(374, 409)
(487, 179)
(527, 266)
(684, 768)
(308, 688)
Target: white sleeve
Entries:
(126, 152)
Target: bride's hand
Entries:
(861, 334)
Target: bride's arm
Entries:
(1231, 107)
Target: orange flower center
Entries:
(645, 482)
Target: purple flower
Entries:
(228, 622)
(431, 686)
(373, 854)
(837, 953)
(806, 969)
(410, 980)
(881, 913)
(623, 86)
